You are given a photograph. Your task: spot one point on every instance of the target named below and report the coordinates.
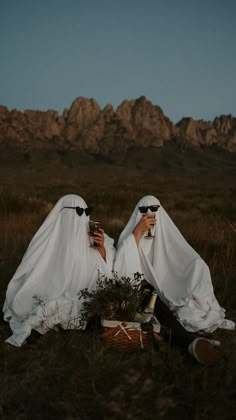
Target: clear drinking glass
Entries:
(149, 234)
(94, 227)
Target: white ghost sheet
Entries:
(173, 268)
(58, 263)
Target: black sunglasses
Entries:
(144, 209)
(80, 210)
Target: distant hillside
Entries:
(136, 123)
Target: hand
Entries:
(148, 221)
(98, 237)
(145, 223)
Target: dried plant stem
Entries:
(230, 224)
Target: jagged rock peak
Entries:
(128, 108)
(49, 114)
(108, 108)
(221, 131)
(82, 113)
(225, 123)
(3, 109)
(143, 101)
(84, 103)
(136, 122)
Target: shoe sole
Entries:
(204, 352)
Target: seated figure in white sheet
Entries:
(58, 263)
(172, 267)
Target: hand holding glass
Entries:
(94, 227)
(149, 234)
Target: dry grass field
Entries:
(71, 375)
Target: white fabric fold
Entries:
(57, 264)
(173, 268)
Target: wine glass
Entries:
(94, 227)
(149, 234)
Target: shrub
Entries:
(114, 299)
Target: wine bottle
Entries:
(148, 312)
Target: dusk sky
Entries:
(180, 54)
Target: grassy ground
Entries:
(71, 375)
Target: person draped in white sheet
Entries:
(57, 264)
(172, 267)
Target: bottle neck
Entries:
(151, 305)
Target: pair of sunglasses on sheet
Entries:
(88, 210)
(80, 210)
(144, 209)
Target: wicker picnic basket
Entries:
(129, 336)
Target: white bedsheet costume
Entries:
(57, 264)
(173, 268)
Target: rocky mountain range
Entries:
(135, 123)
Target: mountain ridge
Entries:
(135, 123)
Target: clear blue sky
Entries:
(180, 54)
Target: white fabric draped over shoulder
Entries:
(57, 264)
(173, 268)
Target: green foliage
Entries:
(114, 299)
